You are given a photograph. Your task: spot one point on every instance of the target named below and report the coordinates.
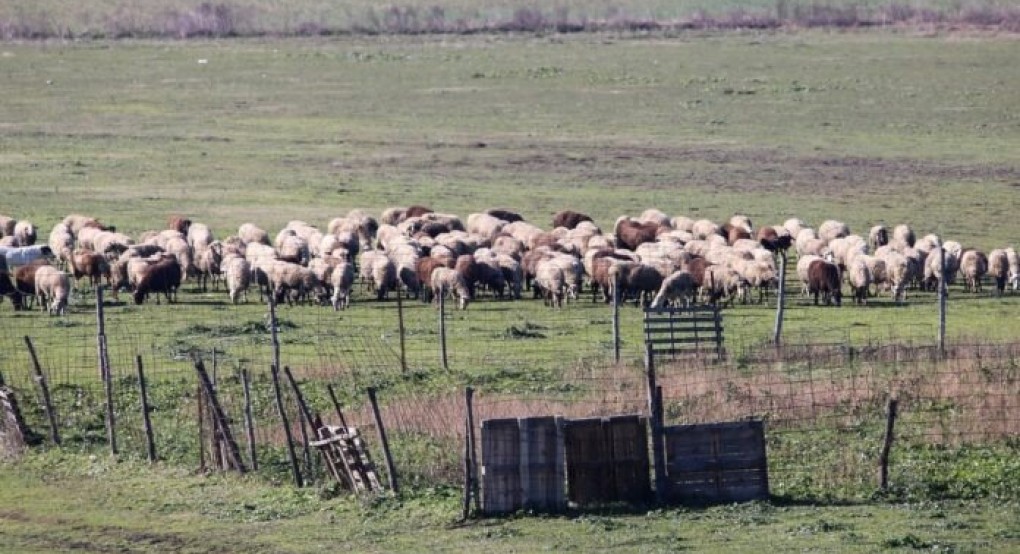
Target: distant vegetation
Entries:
(180, 19)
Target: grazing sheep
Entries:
(504, 214)
(774, 239)
(803, 264)
(467, 267)
(549, 282)
(249, 233)
(7, 225)
(293, 249)
(52, 287)
(393, 215)
(423, 268)
(178, 248)
(824, 280)
(859, 278)
(878, 236)
(208, 263)
(973, 266)
(178, 223)
(655, 216)
(998, 268)
(90, 264)
(903, 234)
(61, 243)
(26, 232)
(630, 234)
(199, 236)
(237, 272)
(569, 219)
(379, 272)
(417, 211)
(794, 226)
(342, 279)
(164, 276)
(832, 229)
(76, 222)
(1014, 268)
(446, 280)
(485, 225)
(720, 283)
(704, 228)
(294, 283)
(741, 222)
(897, 274)
(678, 286)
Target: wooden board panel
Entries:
(501, 472)
(717, 462)
(589, 471)
(542, 464)
(628, 439)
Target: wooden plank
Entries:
(541, 487)
(628, 439)
(680, 310)
(717, 462)
(501, 474)
(589, 468)
(683, 340)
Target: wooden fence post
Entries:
(777, 334)
(336, 406)
(306, 427)
(220, 425)
(655, 419)
(286, 427)
(887, 444)
(390, 468)
(442, 331)
(100, 329)
(470, 461)
(616, 320)
(249, 421)
(274, 332)
(150, 441)
(943, 292)
(200, 418)
(401, 329)
(45, 389)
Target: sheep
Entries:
(998, 268)
(655, 216)
(741, 222)
(88, 263)
(643, 281)
(759, 274)
(734, 233)
(1014, 268)
(9, 242)
(569, 219)
(7, 288)
(504, 214)
(417, 211)
(903, 234)
(631, 234)
(24, 282)
(721, 283)
(505, 244)
(704, 228)
(513, 275)
(794, 226)
(832, 229)
(878, 236)
(293, 283)
(111, 244)
(859, 278)
(164, 276)
(897, 273)
(7, 225)
(178, 223)
(467, 267)
(812, 247)
(678, 286)
(446, 280)
(774, 239)
(52, 287)
(342, 279)
(682, 223)
(393, 215)
(973, 266)
(485, 225)
(208, 263)
(26, 232)
(61, 242)
(199, 236)
(803, 264)
(550, 283)
(237, 272)
(824, 280)
(379, 272)
(293, 249)
(178, 248)
(423, 269)
(250, 233)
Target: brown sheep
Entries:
(734, 233)
(569, 219)
(417, 211)
(468, 269)
(505, 215)
(163, 276)
(630, 234)
(824, 279)
(94, 266)
(178, 223)
(773, 241)
(24, 282)
(7, 289)
(424, 268)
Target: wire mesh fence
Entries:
(824, 401)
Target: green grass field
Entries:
(866, 127)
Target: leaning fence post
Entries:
(306, 420)
(887, 444)
(219, 417)
(470, 464)
(45, 389)
(390, 469)
(336, 406)
(442, 330)
(777, 334)
(249, 422)
(150, 441)
(274, 332)
(286, 427)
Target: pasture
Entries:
(866, 127)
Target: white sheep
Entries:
(379, 272)
(794, 226)
(859, 277)
(237, 272)
(973, 266)
(903, 234)
(998, 268)
(251, 233)
(678, 285)
(832, 229)
(52, 287)
(485, 225)
(448, 281)
(704, 228)
(199, 236)
(1014, 268)
(652, 215)
(342, 279)
(26, 232)
(550, 281)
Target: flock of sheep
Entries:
(652, 259)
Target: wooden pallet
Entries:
(348, 458)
